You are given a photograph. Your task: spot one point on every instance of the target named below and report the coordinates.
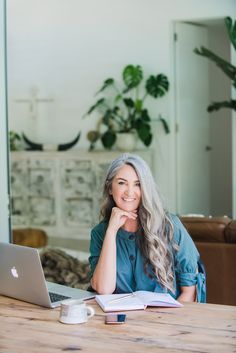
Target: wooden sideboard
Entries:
(59, 192)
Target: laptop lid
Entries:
(22, 277)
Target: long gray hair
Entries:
(156, 242)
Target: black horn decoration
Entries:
(40, 147)
(32, 145)
(66, 146)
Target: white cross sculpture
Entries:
(33, 100)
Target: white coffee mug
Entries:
(74, 311)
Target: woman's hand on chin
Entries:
(119, 217)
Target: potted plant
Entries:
(14, 141)
(225, 66)
(123, 110)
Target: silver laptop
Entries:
(22, 277)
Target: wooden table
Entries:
(194, 328)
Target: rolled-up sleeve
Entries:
(96, 242)
(186, 258)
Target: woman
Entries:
(138, 245)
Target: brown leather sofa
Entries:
(215, 238)
(35, 238)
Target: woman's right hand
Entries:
(119, 217)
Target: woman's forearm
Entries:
(104, 277)
(188, 294)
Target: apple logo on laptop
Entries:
(14, 272)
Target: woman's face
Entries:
(125, 189)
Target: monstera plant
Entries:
(124, 109)
(225, 66)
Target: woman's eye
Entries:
(121, 182)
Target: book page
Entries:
(157, 299)
(119, 302)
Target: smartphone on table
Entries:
(114, 319)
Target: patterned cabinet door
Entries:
(19, 192)
(77, 187)
(100, 170)
(41, 192)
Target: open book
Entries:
(135, 301)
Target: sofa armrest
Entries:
(230, 232)
(206, 229)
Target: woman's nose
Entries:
(129, 190)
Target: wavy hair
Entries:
(156, 234)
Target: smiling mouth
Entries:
(128, 199)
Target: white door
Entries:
(192, 121)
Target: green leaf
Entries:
(165, 125)
(144, 134)
(117, 98)
(108, 139)
(148, 140)
(108, 82)
(115, 109)
(138, 104)
(144, 115)
(132, 76)
(225, 104)
(95, 106)
(226, 67)
(140, 124)
(157, 86)
(14, 135)
(231, 28)
(129, 102)
(144, 131)
(106, 117)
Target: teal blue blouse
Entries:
(130, 263)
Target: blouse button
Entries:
(131, 237)
(131, 257)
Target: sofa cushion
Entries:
(206, 229)
(230, 232)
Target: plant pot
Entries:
(126, 141)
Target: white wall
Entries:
(68, 47)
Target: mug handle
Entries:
(90, 311)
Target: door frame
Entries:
(5, 229)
